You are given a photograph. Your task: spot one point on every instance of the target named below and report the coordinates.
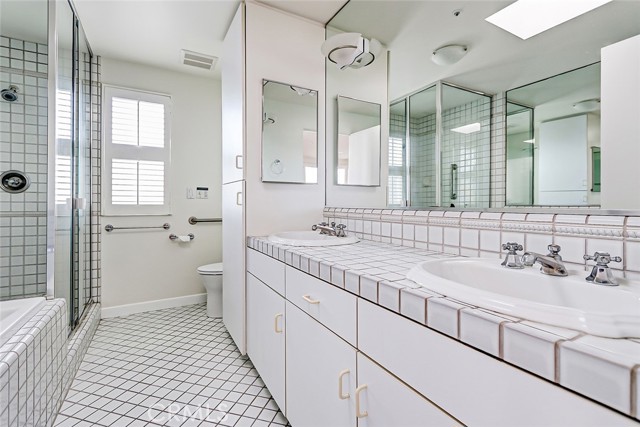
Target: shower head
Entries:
(10, 94)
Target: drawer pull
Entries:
(239, 163)
(359, 413)
(275, 323)
(308, 299)
(340, 393)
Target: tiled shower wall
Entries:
(23, 146)
(498, 191)
(482, 234)
(96, 162)
(470, 153)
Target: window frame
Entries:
(134, 152)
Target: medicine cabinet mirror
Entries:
(553, 130)
(358, 143)
(289, 133)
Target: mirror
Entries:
(553, 130)
(289, 133)
(496, 61)
(358, 143)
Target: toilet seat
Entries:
(214, 269)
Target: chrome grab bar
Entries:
(193, 220)
(109, 228)
(454, 181)
(174, 237)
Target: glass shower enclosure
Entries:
(45, 154)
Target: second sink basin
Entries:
(568, 302)
(310, 238)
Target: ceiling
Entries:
(153, 32)
(497, 60)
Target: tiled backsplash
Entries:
(23, 147)
(482, 233)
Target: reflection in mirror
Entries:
(553, 130)
(358, 143)
(289, 134)
(397, 186)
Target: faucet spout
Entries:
(548, 264)
(324, 229)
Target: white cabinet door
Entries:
(320, 366)
(265, 335)
(233, 253)
(388, 402)
(233, 77)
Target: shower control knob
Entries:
(14, 181)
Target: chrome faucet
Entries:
(550, 264)
(330, 230)
(601, 273)
(513, 259)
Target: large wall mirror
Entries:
(358, 143)
(553, 140)
(495, 62)
(289, 134)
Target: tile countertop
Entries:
(603, 369)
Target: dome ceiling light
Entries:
(351, 50)
(449, 55)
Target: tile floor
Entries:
(173, 367)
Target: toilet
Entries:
(211, 275)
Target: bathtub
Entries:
(15, 313)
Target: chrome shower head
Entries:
(10, 94)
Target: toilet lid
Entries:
(215, 268)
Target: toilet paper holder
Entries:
(175, 237)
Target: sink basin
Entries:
(570, 302)
(310, 238)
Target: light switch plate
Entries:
(202, 192)
(190, 193)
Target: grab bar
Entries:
(193, 220)
(454, 181)
(109, 228)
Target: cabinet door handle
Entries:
(275, 323)
(308, 299)
(239, 198)
(359, 413)
(341, 375)
(239, 161)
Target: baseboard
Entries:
(141, 307)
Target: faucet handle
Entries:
(340, 230)
(554, 249)
(512, 247)
(602, 258)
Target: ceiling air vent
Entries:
(200, 60)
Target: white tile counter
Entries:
(605, 370)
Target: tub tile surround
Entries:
(31, 368)
(562, 356)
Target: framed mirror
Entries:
(358, 143)
(553, 131)
(289, 133)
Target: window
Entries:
(63, 150)
(137, 152)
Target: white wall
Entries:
(273, 53)
(139, 266)
(366, 84)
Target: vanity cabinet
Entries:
(266, 335)
(383, 401)
(321, 369)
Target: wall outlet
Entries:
(190, 193)
(202, 192)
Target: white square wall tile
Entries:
(435, 234)
(389, 295)
(490, 240)
(352, 281)
(573, 248)
(600, 368)
(420, 233)
(451, 236)
(413, 303)
(537, 242)
(632, 255)
(469, 238)
(369, 288)
(408, 231)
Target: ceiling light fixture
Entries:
(449, 55)
(526, 18)
(302, 91)
(467, 129)
(530, 141)
(351, 50)
(587, 105)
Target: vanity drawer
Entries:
(270, 271)
(334, 308)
